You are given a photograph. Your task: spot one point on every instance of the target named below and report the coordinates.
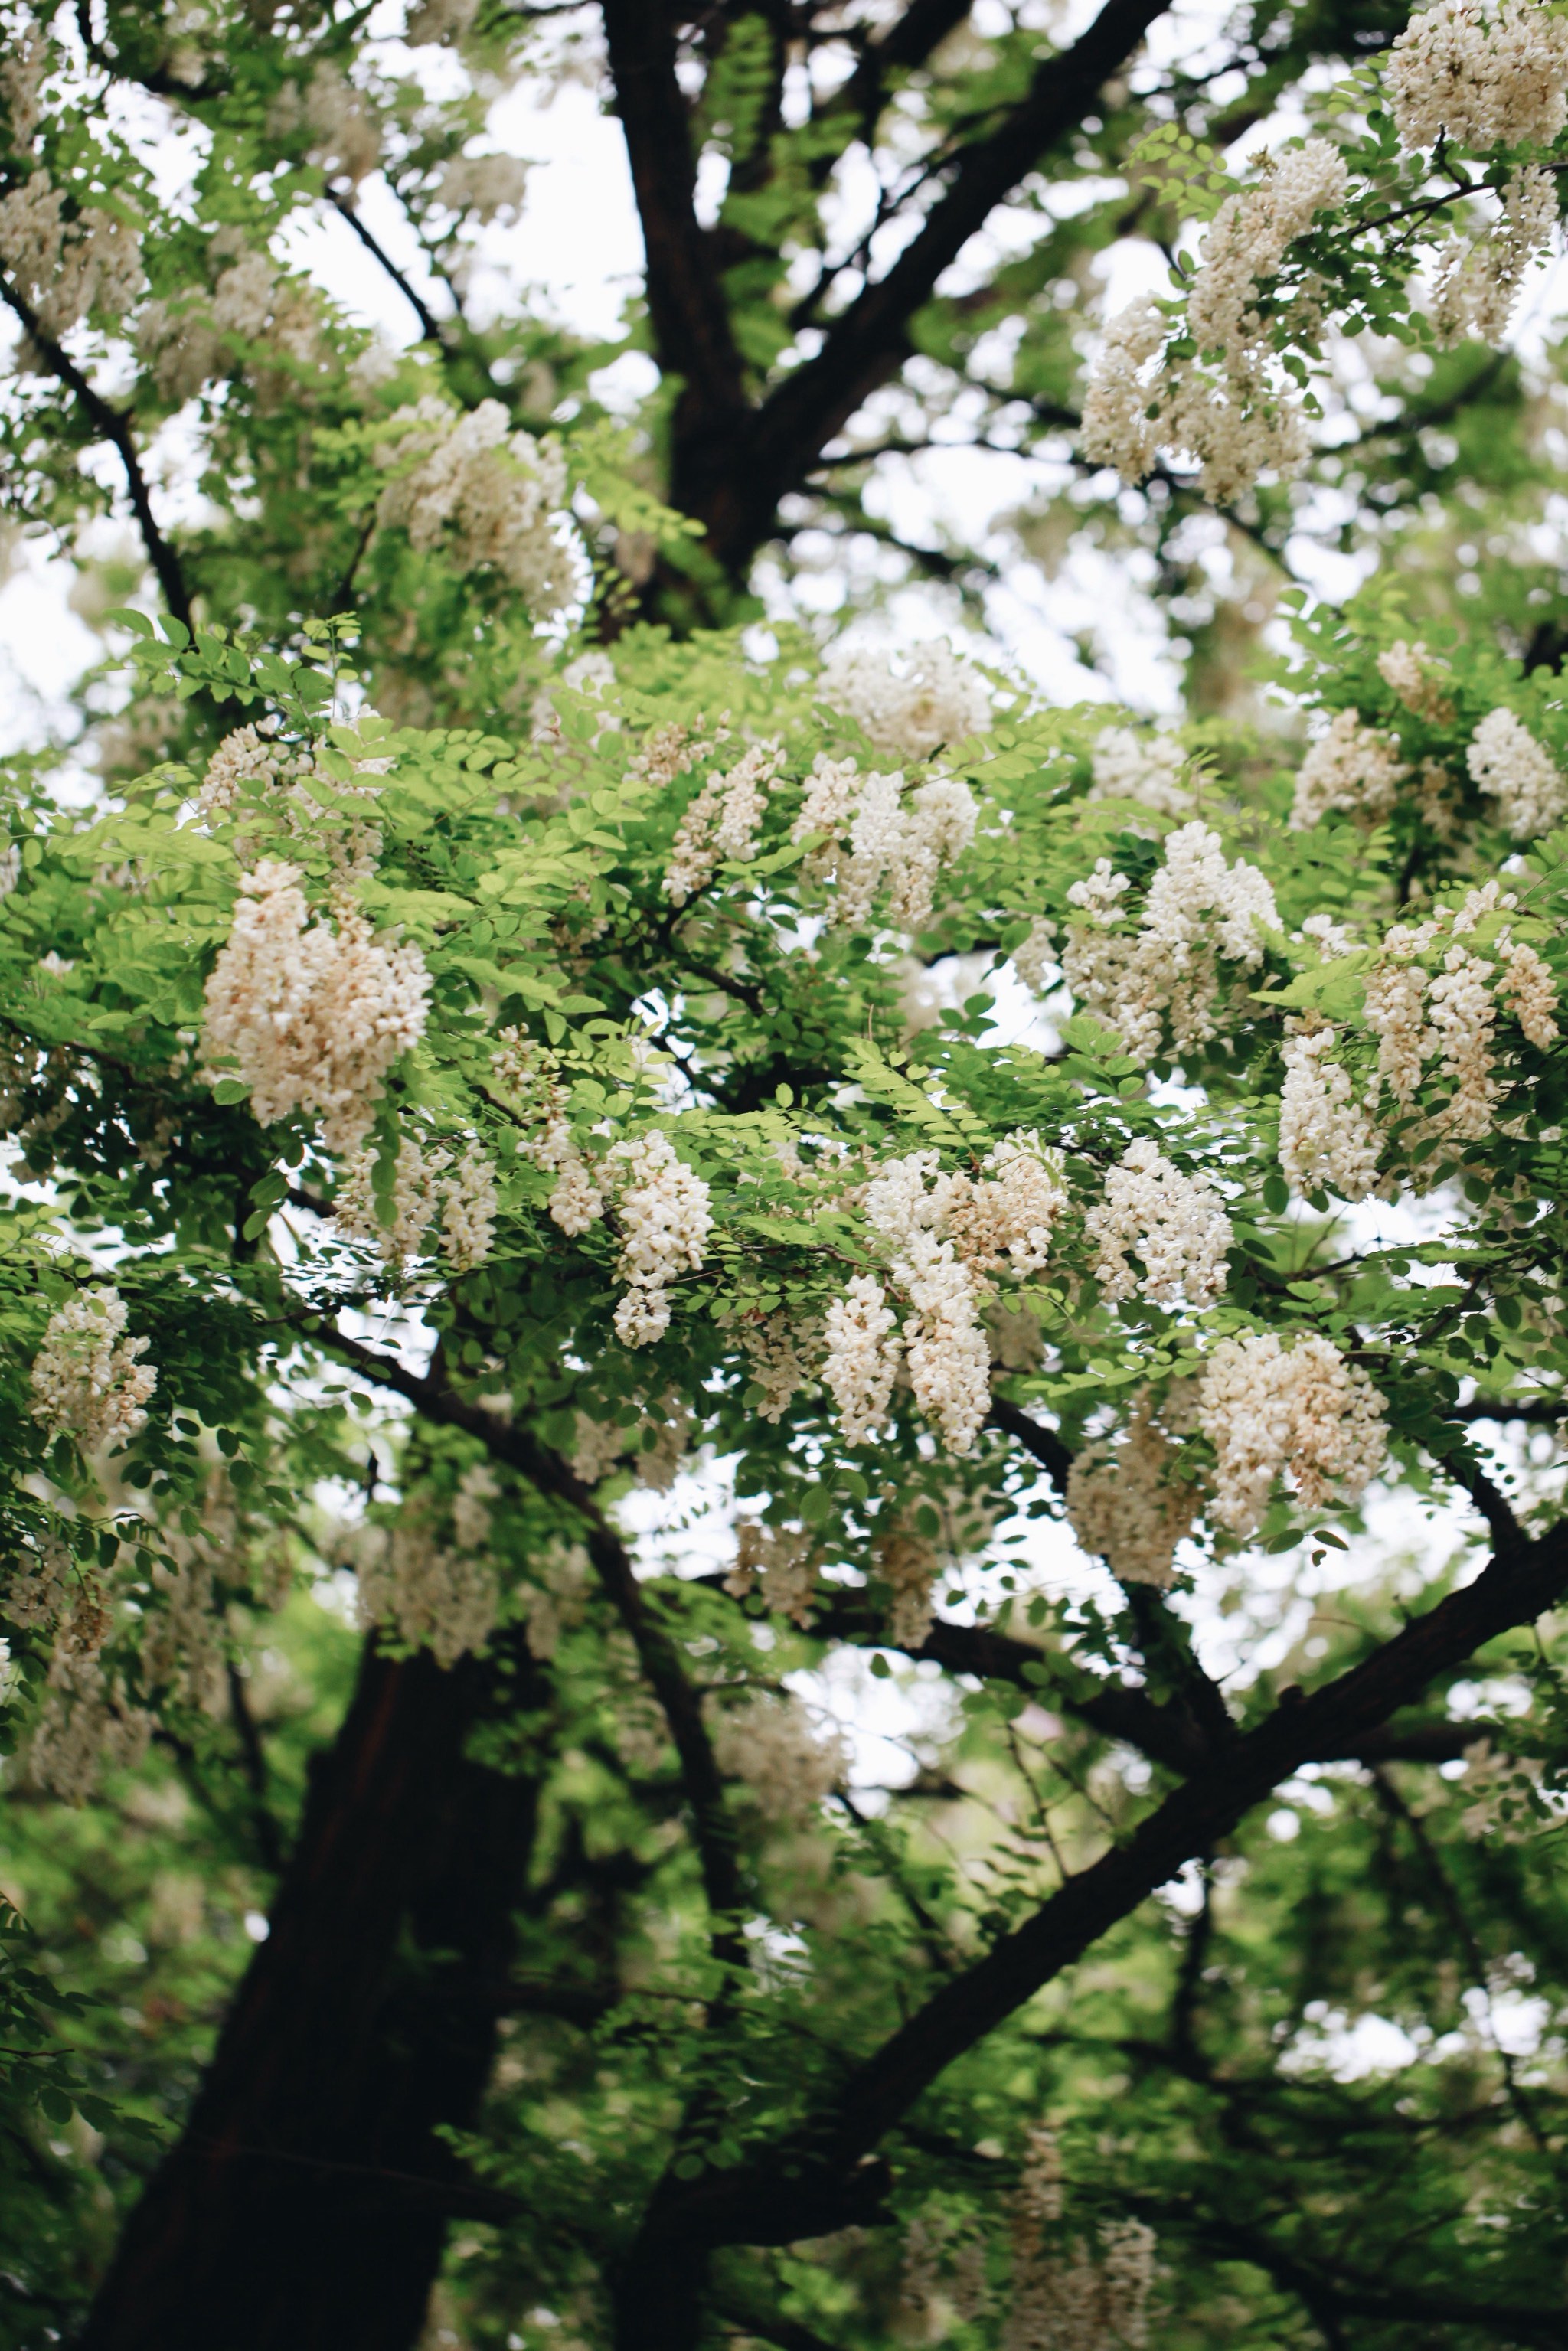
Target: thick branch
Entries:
(1521, 1582)
(691, 319)
(867, 344)
(110, 425)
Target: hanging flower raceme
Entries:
(425, 1185)
(665, 1219)
(1174, 1224)
(1328, 1141)
(1350, 766)
(944, 1236)
(1129, 1502)
(909, 713)
(871, 839)
(1305, 1413)
(1166, 973)
(1228, 406)
(311, 1016)
(86, 1379)
(722, 824)
(491, 496)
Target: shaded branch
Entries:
(714, 1832)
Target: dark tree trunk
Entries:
(305, 2205)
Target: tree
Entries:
(436, 1120)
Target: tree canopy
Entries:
(780, 1480)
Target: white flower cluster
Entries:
(484, 187)
(195, 337)
(578, 1200)
(433, 1595)
(1352, 767)
(1508, 764)
(1070, 2301)
(1416, 676)
(1174, 1224)
(312, 1017)
(489, 496)
(1477, 279)
(86, 1379)
(1227, 408)
(934, 698)
(775, 1362)
(86, 1726)
(566, 1571)
(425, 1183)
(666, 1220)
(772, 1746)
(1127, 1503)
(1452, 1014)
(1197, 910)
(722, 824)
(63, 268)
(909, 1565)
(1305, 1412)
(862, 1355)
(871, 839)
(1328, 1142)
(784, 1559)
(944, 1235)
(1487, 76)
(342, 129)
(1143, 767)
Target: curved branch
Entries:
(111, 426)
(797, 2188)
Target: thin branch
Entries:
(111, 426)
(429, 324)
(1448, 1902)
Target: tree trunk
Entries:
(305, 2205)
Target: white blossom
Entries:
(86, 1379)
(312, 1018)
(722, 824)
(1528, 989)
(934, 698)
(65, 268)
(1327, 1141)
(1175, 1225)
(1143, 767)
(1129, 1505)
(863, 1356)
(432, 1595)
(1350, 766)
(1463, 1017)
(1197, 910)
(256, 314)
(770, 1743)
(1477, 279)
(786, 1562)
(1416, 676)
(666, 1220)
(490, 496)
(1487, 76)
(1507, 763)
(1307, 1413)
(1231, 409)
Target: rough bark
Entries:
(305, 2205)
